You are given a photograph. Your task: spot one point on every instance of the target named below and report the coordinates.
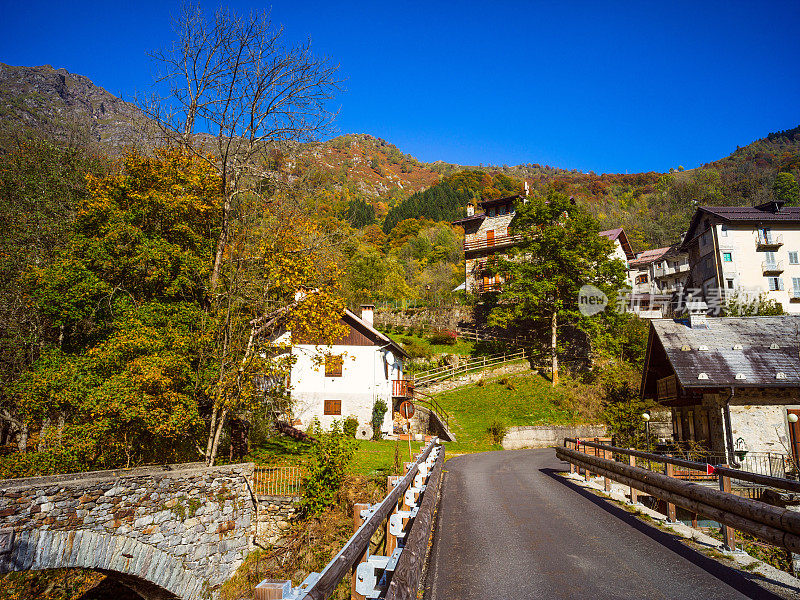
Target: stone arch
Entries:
(41, 549)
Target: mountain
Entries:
(66, 107)
(653, 207)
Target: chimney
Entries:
(698, 310)
(470, 210)
(368, 313)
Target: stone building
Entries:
(730, 382)
(749, 250)
(655, 275)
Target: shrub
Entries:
(509, 383)
(497, 431)
(442, 337)
(350, 426)
(415, 349)
(330, 457)
(379, 410)
(480, 382)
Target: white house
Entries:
(348, 377)
(749, 250)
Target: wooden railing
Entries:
(774, 525)
(407, 512)
(494, 242)
(476, 364)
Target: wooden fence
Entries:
(407, 514)
(475, 364)
(774, 525)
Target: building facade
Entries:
(745, 252)
(655, 276)
(346, 378)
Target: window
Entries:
(723, 230)
(333, 407)
(765, 235)
(770, 258)
(709, 265)
(333, 366)
(730, 283)
(775, 284)
(793, 258)
(727, 257)
(704, 238)
(796, 285)
(641, 279)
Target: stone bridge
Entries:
(165, 532)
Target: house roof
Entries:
(731, 352)
(477, 217)
(619, 234)
(648, 256)
(369, 331)
(763, 214)
(496, 201)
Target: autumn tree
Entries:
(785, 189)
(560, 252)
(235, 92)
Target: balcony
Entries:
(498, 241)
(765, 243)
(772, 268)
(484, 287)
(402, 388)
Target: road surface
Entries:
(510, 528)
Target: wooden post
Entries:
(357, 521)
(272, 589)
(634, 493)
(694, 520)
(572, 467)
(587, 474)
(728, 532)
(669, 469)
(606, 481)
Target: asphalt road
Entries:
(510, 528)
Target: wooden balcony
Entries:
(402, 388)
(498, 241)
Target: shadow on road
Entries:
(739, 580)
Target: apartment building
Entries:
(746, 250)
(654, 276)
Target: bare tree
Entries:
(232, 91)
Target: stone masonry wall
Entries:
(274, 516)
(193, 521)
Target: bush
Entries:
(497, 431)
(350, 426)
(509, 383)
(442, 337)
(379, 410)
(415, 349)
(330, 457)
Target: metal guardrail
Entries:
(774, 525)
(476, 364)
(394, 577)
(277, 481)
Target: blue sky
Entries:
(609, 87)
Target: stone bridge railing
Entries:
(176, 530)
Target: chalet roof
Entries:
(497, 201)
(476, 217)
(619, 234)
(370, 332)
(730, 352)
(763, 214)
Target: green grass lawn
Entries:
(533, 401)
(372, 458)
(461, 347)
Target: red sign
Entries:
(710, 470)
(406, 409)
